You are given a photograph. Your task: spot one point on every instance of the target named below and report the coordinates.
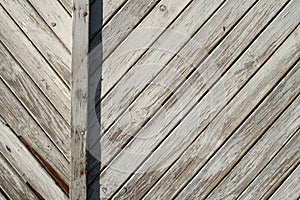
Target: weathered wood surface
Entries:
(290, 188)
(57, 18)
(79, 125)
(35, 65)
(41, 35)
(27, 166)
(136, 159)
(34, 101)
(241, 141)
(154, 60)
(15, 187)
(259, 156)
(278, 169)
(18, 118)
(2, 197)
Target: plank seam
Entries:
(210, 88)
(28, 110)
(37, 158)
(40, 53)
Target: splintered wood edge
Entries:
(80, 43)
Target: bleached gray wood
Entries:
(30, 132)
(67, 4)
(41, 35)
(12, 184)
(223, 161)
(35, 65)
(27, 166)
(57, 19)
(79, 125)
(110, 7)
(195, 122)
(119, 27)
(35, 101)
(290, 189)
(278, 168)
(2, 196)
(167, 81)
(139, 40)
(114, 139)
(259, 156)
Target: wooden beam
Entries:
(80, 48)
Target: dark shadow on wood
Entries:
(95, 74)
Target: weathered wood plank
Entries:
(32, 135)
(2, 197)
(118, 27)
(57, 19)
(207, 109)
(259, 156)
(166, 82)
(27, 166)
(35, 102)
(41, 35)
(111, 146)
(234, 149)
(290, 189)
(142, 37)
(67, 4)
(79, 126)
(35, 65)
(110, 7)
(278, 168)
(12, 184)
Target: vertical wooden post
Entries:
(79, 130)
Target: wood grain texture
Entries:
(27, 166)
(165, 83)
(67, 4)
(2, 197)
(258, 157)
(154, 60)
(118, 27)
(172, 110)
(278, 168)
(57, 19)
(110, 7)
(35, 66)
(139, 41)
(41, 35)
(201, 116)
(35, 102)
(12, 184)
(79, 126)
(290, 189)
(35, 138)
(222, 162)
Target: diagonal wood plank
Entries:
(241, 141)
(28, 167)
(259, 156)
(29, 132)
(138, 41)
(67, 4)
(149, 145)
(12, 183)
(290, 189)
(117, 29)
(57, 19)
(35, 102)
(279, 167)
(200, 120)
(2, 197)
(35, 65)
(41, 36)
(163, 85)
